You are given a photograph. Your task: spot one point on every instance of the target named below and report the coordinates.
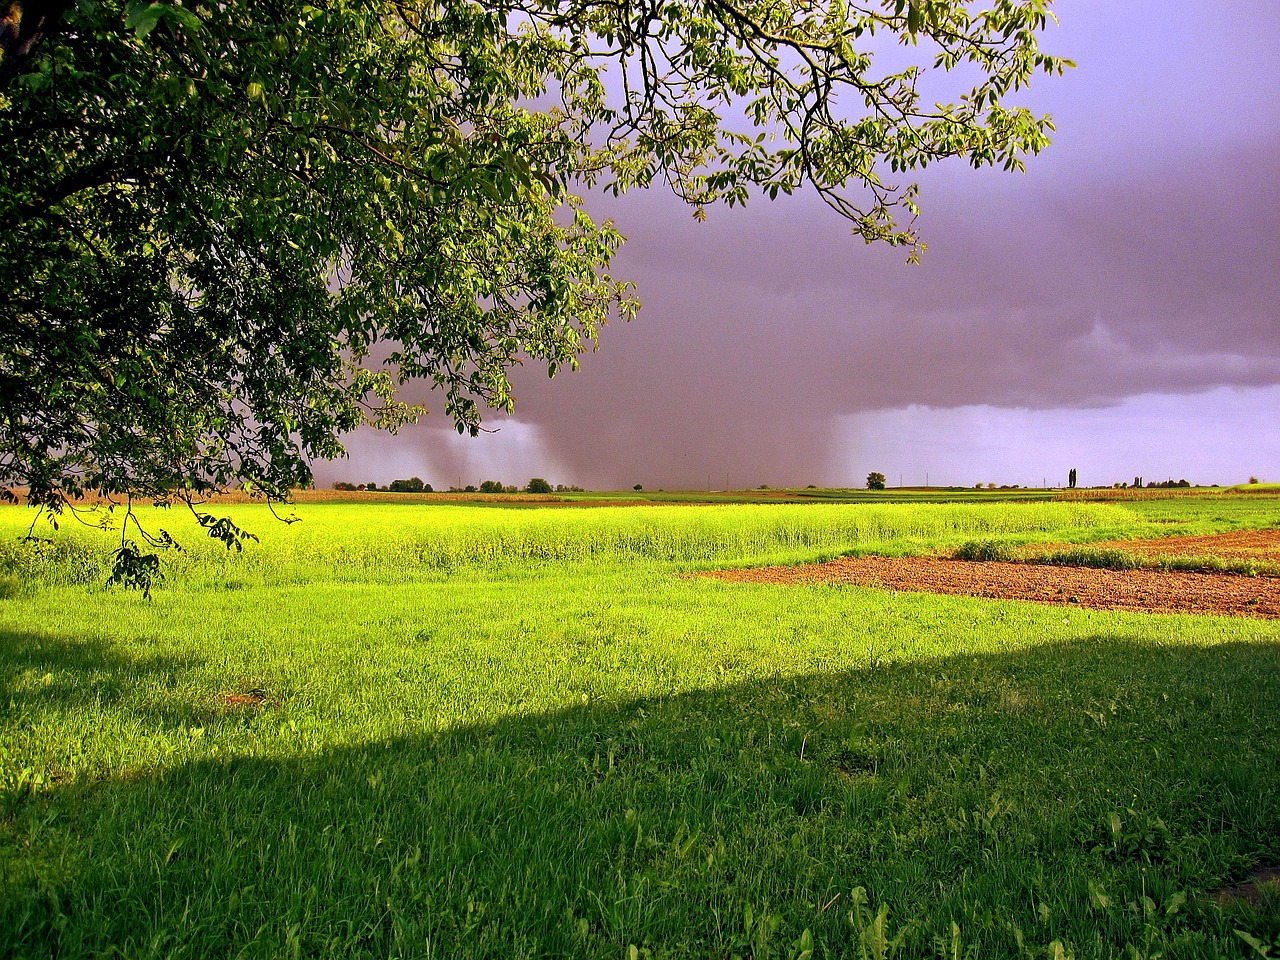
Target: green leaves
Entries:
(134, 570)
(142, 18)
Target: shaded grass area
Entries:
(575, 762)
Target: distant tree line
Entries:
(1153, 484)
(416, 485)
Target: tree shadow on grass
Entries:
(1032, 796)
(44, 673)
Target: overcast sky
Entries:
(1116, 309)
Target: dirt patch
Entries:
(1146, 590)
(243, 701)
(1244, 544)
(1253, 890)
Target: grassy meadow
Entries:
(441, 730)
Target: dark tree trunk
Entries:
(23, 25)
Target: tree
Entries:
(537, 485)
(875, 481)
(491, 486)
(1071, 478)
(412, 485)
(229, 232)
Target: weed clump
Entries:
(1100, 558)
(984, 551)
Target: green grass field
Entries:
(452, 731)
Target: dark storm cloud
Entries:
(1139, 256)
(760, 327)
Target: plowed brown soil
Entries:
(1147, 590)
(1246, 544)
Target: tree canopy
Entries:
(230, 232)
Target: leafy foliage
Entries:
(875, 481)
(230, 232)
(134, 569)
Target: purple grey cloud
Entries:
(1140, 256)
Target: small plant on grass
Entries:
(875, 941)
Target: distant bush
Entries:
(412, 485)
(984, 551)
(537, 485)
(638, 486)
(491, 486)
(343, 485)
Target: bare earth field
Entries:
(1148, 590)
(1246, 544)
